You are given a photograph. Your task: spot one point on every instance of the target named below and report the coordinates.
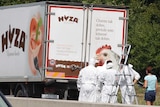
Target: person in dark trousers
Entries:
(151, 86)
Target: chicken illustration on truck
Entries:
(44, 45)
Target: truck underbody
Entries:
(52, 89)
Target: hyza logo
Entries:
(68, 18)
(13, 37)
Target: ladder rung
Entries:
(123, 75)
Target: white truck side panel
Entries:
(14, 42)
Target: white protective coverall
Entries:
(106, 81)
(86, 82)
(128, 75)
(99, 85)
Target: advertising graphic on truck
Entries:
(21, 42)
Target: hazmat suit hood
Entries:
(130, 65)
(92, 62)
(109, 64)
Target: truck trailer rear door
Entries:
(67, 27)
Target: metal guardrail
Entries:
(35, 102)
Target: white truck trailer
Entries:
(44, 45)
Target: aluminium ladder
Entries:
(122, 75)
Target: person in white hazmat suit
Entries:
(106, 80)
(129, 77)
(99, 84)
(86, 82)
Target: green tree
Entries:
(144, 34)
(12, 2)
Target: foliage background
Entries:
(143, 30)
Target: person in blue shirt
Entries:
(151, 85)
